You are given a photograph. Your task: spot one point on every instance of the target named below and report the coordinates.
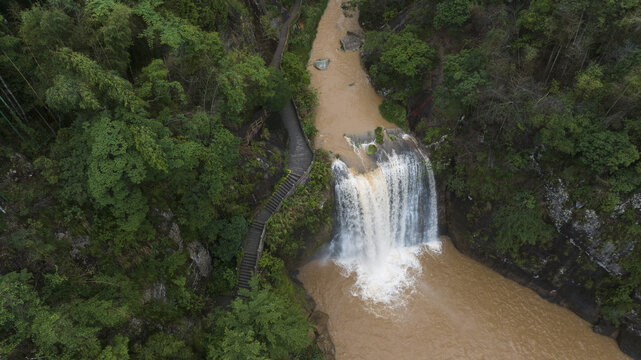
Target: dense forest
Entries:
(532, 112)
(130, 170)
(130, 164)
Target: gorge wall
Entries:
(564, 272)
(528, 114)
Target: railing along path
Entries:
(299, 163)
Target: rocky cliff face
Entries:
(583, 231)
(564, 272)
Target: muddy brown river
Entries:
(459, 309)
(349, 104)
(455, 307)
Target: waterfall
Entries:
(384, 219)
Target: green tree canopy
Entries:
(450, 13)
(465, 74)
(399, 61)
(264, 326)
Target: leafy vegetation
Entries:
(394, 61)
(265, 326)
(303, 213)
(374, 15)
(451, 13)
(371, 149)
(393, 113)
(129, 185)
(464, 76)
(530, 95)
(379, 135)
(519, 224)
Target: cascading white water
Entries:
(384, 219)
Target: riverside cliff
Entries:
(530, 113)
(564, 272)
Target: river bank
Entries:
(458, 308)
(347, 102)
(562, 291)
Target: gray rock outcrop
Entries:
(201, 260)
(156, 292)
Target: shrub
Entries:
(520, 223)
(604, 151)
(264, 325)
(379, 135)
(464, 74)
(393, 113)
(371, 149)
(374, 13)
(303, 212)
(451, 13)
(398, 61)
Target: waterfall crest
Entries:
(384, 219)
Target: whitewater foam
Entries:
(385, 219)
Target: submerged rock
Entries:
(321, 64)
(323, 339)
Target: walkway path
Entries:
(299, 163)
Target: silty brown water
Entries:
(455, 308)
(347, 102)
(459, 309)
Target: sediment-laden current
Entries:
(456, 309)
(391, 288)
(348, 104)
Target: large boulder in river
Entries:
(321, 64)
(351, 42)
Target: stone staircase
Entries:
(299, 163)
(255, 235)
